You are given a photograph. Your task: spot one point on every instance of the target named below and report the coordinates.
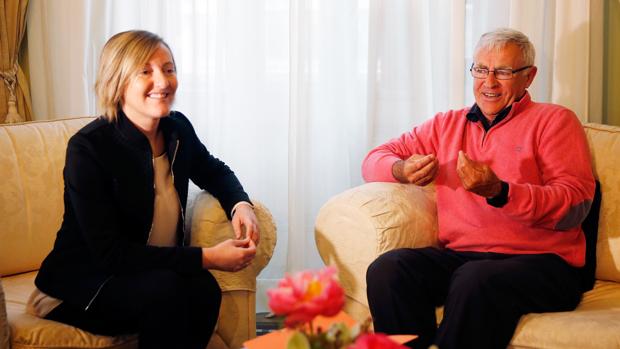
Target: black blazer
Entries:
(109, 197)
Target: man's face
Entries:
(493, 95)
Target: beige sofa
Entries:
(31, 207)
(356, 226)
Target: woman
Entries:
(120, 263)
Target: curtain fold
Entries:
(14, 92)
(570, 86)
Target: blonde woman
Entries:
(120, 263)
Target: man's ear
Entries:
(531, 74)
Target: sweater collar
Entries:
(130, 132)
(475, 114)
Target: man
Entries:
(514, 182)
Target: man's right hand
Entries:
(229, 255)
(417, 169)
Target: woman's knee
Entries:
(164, 286)
(205, 290)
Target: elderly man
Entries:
(514, 183)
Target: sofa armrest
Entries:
(209, 226)
(353, 228)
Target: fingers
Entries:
(253, 232)
(245, 223)
(243, 243)
(463, 159)
(477, 177)
(229, 255)
(237, 227)
(427, 173)
(419, 161)
(421, 170)
(247, 247)
(247, 256)
(463, 167)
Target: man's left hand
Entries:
(245, 224)
(477, 177)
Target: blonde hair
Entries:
(121, 57)
(500, 37)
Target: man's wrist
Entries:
(500, 199)
(397, 170)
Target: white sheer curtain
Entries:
(292, 94)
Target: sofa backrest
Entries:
(605, 149)
(32, 157)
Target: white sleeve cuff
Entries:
(232, 212)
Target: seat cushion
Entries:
(594, 324)
(28, 331)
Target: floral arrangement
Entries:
(301, 297)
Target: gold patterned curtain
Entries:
(14, 91)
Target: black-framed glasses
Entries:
(500, 74)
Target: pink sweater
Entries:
(539, 149)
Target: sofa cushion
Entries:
(594, 324)
(604, 144)
(28, 331)
(31, 203)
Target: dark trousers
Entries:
(166, 309)
(484, 294)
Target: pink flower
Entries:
(304, 295)
(375, 341)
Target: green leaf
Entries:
(298, 341)
(340, 334)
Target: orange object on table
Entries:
(279, 339)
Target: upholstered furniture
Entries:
(31, 208)
(4, 324)
(356, 226)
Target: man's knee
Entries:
(387, 270)
(476, 276)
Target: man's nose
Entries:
(490, 80)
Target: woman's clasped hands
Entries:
(235, 254)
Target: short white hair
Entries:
(500, 37)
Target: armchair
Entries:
(355, 227)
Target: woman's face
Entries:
(150, 92)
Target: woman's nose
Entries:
(160, 79)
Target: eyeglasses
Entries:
(500, 74)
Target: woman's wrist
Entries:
(207, 263)
(234, 209)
